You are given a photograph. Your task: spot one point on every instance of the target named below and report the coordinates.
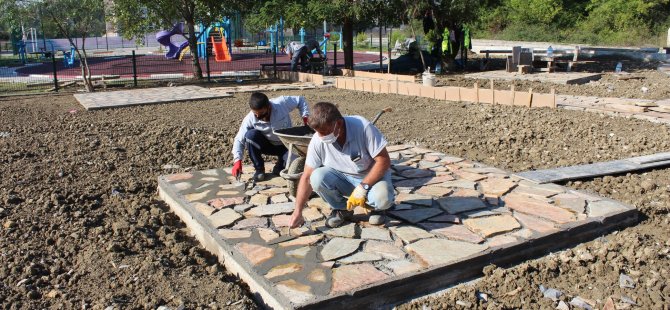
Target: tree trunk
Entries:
(348, 42)
(83, 64)
(193, 45)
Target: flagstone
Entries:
(493, 201)
(416, 215)
(203, 208)
(479, 213)
(425, 164)
(345, 231)
(349, 277)
(445, 218)
(385, 249)
(474, 177)
(242, 208)
(434, 191)
(432, 158)
(281, 220)
(302, 241)
(535, 223)
(439, 169)
(280, 270)
(252, 222)
(492, 225)
(234, 234)
(259, 200)
(570, 202)
(523, 233)
(440, 178)
(276, 181)
(311, 214)
(417, 173)
(414, 199)
(604, 207)
(404, 266)
(402, 206)
(360, 257)
(267, 234)
(410, 234)
(317, 275)
(213, 172)
(397, 148)
(496, 186)
(375, 233)
(411, 183)
(339, 247)
(274, 191)
(179, 177)
(453, 232)
(196, 196)
(451, 160)
(459, 183)
(183, 186)
(296, 292)
(224, 217)
(279, 198)
(538, 208)
(486, 170)
(463, 192)
(434, 252)
(273, 209)
(221, 203)
(256, 254)
(455, 205)
(299, 252)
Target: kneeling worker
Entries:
(256, 131)
(347, 165)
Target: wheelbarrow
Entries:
(297, 139)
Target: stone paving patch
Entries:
(452, 217)
(125, 98)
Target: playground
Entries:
(148, 65)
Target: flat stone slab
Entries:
(452, 218)
(144, 96)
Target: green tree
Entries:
(137, 17)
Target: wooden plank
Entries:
(597, 169)
(453, 93)
(440, 93)
(485, 96)
(468, 94)
(647, 159)
(626, 108)
(384, 87)
(543, 101)
(427, 91)
(350, 84)
(413, 89)
(522, 98)
(504, 97)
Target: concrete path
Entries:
(124, 98)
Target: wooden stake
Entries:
(493, 93)
(477, 92)
(530, 98)
(553, 95)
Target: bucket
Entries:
(428, 79)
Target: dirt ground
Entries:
(641, 80)
(82, 226)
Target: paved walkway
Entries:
(452, 217)
(124, 98)
(657, 111)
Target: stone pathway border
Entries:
(135, 97)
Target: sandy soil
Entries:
(82, 223)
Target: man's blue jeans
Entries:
(333, 186)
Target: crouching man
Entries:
(347, 165)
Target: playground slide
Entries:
(221, 52)
(163, 38)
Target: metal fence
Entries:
(53, 72)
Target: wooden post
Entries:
(530, 98)
(513, 93)
(493, 93)
(477, 91)
(553, 97)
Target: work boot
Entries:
(377, 217)
(259, 175)
(337, 217)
